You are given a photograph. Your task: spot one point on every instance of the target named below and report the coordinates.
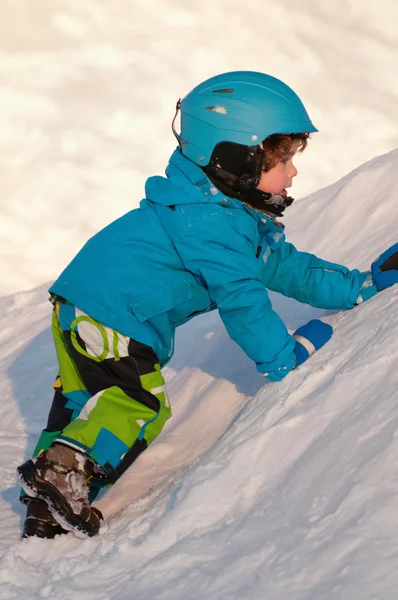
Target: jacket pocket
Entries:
(162, 301)
(331, 268)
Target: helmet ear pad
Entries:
(236, 169)
(238, 166)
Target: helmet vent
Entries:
(223, 91)
(218, 109)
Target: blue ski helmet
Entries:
(243, 107)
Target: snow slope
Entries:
(88, 91)
(277, 491)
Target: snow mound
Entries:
(253, 490)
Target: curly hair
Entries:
(278, 146)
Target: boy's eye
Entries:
(284, 160)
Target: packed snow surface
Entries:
(254, 490)
(88, 91)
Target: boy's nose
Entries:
(293, 171)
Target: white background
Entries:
(88, 91)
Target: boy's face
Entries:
(279, 178)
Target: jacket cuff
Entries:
(285, 361)
(368, 288)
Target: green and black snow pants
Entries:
(110, 398)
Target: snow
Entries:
(254, 490)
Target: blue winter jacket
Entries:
(189, 249)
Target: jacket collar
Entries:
(179, 164)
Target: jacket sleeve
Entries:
(217, 251)
(314, 281)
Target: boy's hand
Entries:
(309, 338)
(385, 269)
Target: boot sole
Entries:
(37, 487)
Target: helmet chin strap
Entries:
(270, 203)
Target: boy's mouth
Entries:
(283, 193)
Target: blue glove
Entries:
(309, 338)
(385, 269)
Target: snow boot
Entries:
(39, 522)
(59, 477)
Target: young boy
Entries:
(205, 237)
